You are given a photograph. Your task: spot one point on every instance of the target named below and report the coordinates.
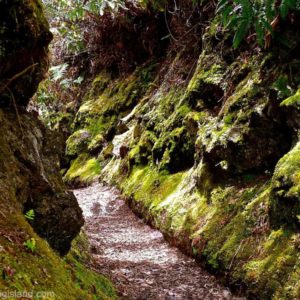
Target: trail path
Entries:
(136, 257)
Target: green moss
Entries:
(141, 153)
(78, 142)
(218, 205)
(228, 119)
(154, 189)
(83, 169)
(106, 153)
(213, 75)
(174, 151)
(97, 143)
(43, 270)
(230, 229)
(276, 263)
(87, 280)
(100, 83)
(294, 100)
(285, 203)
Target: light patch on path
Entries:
(136, 257)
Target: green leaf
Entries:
(30, 215)
(240, 34)
(260, 33)
(30, 244)
(284, 8)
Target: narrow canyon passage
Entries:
(136, 257)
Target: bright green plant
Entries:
(242, 16)
(30, 244)
(30, 215)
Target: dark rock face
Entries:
(24, 37)
(29, 159)
(30, 153)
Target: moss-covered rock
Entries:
(248, 117)
(42, 273)
(39, 216)
(30, 169)
(78, 143)
(142, 152)
(24, 37)
(199, 160)
(285, 197)
(174, 151)
(207, 88)
(83, 171)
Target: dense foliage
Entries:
(241, 16)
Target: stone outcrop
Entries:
(29, 153)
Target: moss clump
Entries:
(246, 118)
(281, 86)
(206, 87)
(97, 143)
(100, 83)
(88, 280)
(294, 100)
(84, 170)
(78, 142)
(285, 200)
(156, 187)
(174, 151)
(142, 152)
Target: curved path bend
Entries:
(136, 257)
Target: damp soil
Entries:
(136, 257)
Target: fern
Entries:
(241, 16)
(286, 6)
(30, 215)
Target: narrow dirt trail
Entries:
(136, 257)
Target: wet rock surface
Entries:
(136, 257)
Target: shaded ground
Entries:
(136, 257)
